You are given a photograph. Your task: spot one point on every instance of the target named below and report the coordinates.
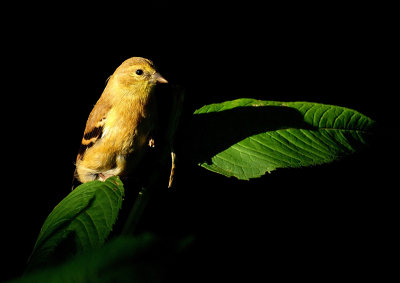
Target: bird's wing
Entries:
(94, 127)
(93, 132)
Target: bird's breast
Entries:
(127, 130)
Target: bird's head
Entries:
(137, 74)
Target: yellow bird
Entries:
(120, 125)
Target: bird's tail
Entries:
(75, 182)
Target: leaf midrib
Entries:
(325, 128)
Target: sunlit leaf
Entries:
(80, 222)
(246, 138)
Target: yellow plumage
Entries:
(120, 124)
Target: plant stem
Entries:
(145, 195)
(136, 212)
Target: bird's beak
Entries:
(158, 78)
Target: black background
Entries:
(320, 222)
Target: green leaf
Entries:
(143, 258)
(245, 138)
(80, 222)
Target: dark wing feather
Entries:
(89, 140)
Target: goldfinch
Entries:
(120, 125)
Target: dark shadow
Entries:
(214, 132)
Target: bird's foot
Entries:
(151, 142)
(103, 177)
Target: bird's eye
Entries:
(139, 72)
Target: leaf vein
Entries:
(322, 117)
(275, 149)
(250, 150)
